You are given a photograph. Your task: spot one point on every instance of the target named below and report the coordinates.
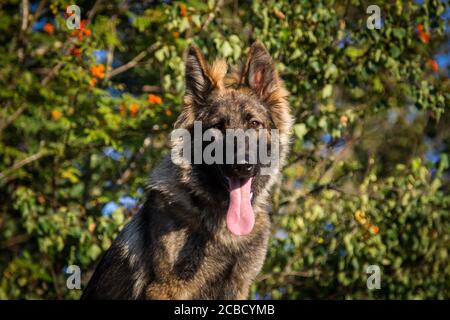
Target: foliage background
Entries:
(85, 116)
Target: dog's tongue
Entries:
(240, 216)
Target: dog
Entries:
(202, 232)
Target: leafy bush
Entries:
(85, 116)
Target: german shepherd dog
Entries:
(203, 230)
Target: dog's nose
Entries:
(243, 170)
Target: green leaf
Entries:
(354, 52)
(94, 251)
(300, 130)
(327, 91)
(227, 50)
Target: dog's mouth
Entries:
(240, 216)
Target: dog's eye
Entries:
(255, 124)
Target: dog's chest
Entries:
(217, 269)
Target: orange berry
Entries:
(433, 64)
(375, 229)
(168, 113)
(419, 27)
(66, 14)
(134, 109)
(93, 82)
(175, 34)
(183, 10)
(76, 52)
(83, 31)
(279, 14)
(56, 114)
(49, 28)
(154, 99)
(424, 36)
(98, 71)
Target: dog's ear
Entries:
(259, 71)
(198, 80)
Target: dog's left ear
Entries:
(259, 71)
(199, 82)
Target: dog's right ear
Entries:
(198, 79)
(259, 71)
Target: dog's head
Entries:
(240, 113)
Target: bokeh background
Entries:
(85, 115)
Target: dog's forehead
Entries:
(235, 100)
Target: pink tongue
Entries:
(240, 216)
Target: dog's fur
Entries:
(178, 245)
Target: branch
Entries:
(93, 11)
(301, 156)
(148, 88)
(110, 53)
(20, 110)
(52, 73)
(11, 118)
(54, 277)
(11, 242)
(133, 62)
(21, 164)
(109, 60)
(126, 174)
(39, 11)
(25, 13)
(212, 15)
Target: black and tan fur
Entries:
(177, 246)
